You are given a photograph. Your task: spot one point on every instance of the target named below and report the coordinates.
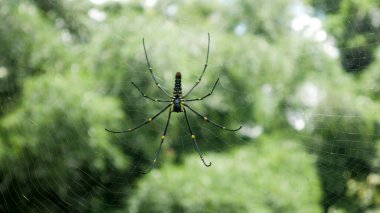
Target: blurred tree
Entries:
(14, 56)
(70, 74)
(56, 154)
(356, 27)
(346, 149)
(370, 80)
(68, 15)
(244, 180)
(345, 138)
(269, 19)
(30, 45)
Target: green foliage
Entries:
(371, 78)
(40, 48)
(64, 77)
(343, 155)
(356, 25)
(72, 15)
(260, 17)
(345, 140)
(63, 141)
(263, 176)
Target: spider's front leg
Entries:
(148, 121)
(212, 122)
(194, 140)
(159, 148)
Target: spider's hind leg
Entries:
(151, 72)
(204, 68)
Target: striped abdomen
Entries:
(177, 94)
(177, 86)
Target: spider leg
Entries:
(151, 72)
(194, 140)
(159, 149)
(212, 122)
(145, 96)
(204, 68)
(148, 121)
(199, 99)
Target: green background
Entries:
(311, 121)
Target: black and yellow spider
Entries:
(177, 103)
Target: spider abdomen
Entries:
(177, 94)
(177, 85)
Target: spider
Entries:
(177, 103)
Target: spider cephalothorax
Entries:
(177, 103)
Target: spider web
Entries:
(316, 137)
(178, 139)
